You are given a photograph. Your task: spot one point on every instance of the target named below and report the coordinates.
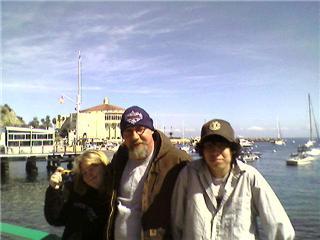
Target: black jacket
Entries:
(84, 216)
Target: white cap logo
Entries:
(214, 126)
(134, 117)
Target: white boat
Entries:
(247, 155)
(250, 157)
(313, 151)
(311, 144)
(307, 152)
(299, 159)
(186, 147)
(245, 142)
(279, 141)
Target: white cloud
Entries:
(255, 128)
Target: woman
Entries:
(80, 203)
(218, 197)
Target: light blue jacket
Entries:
(195, 214)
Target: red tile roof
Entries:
(103, 107)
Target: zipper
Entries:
(110, 215)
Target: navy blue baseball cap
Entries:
(135, 116)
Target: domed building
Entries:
(95, 124)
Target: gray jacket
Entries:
(196, 215)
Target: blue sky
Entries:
(184, 62)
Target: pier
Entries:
(54, 159)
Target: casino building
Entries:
(95, 124)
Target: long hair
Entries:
(90, 157)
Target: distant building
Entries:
(96, 124)
(18, 140)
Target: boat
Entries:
(245, 142)
(279, 141)
(307, 152)
(247, 155)
(313, 151)
(312, 143)
(188, 148)
(301, 158)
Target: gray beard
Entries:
(139, 152)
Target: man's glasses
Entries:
(129, 131)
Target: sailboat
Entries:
(307, 152)
(311, 144)
(279, 141)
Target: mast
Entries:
(78, 96)
(183, 130)
(314, 122)
(316, 126)
(310, 120)
(278, 127)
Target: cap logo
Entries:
(134, 117)
(214, 126)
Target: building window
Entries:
(36, 143)
(47, 143)
(25, 143)
(13, 144)
(19, 137)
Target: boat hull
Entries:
(299, 161)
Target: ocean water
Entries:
(298, 188)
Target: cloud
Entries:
(255, 128)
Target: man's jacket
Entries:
(161, 175)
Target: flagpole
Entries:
(78, 96)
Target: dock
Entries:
(53, 160)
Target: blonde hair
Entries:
(90, 157)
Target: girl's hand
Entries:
(56, 178)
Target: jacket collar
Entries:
(162, 146)
(206, 181)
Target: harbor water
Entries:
(298, 188)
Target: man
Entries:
(144, 170)
(218, 197)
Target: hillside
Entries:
(9, 118)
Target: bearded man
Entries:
(144, 171)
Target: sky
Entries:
(185, 63)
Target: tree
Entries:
(34, 123)
(42, 123)
(9, 118)
(47, 122)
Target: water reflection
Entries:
(4, 170)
